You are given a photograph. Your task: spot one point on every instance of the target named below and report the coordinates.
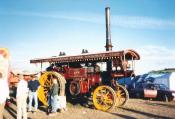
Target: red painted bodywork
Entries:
(76, 73)
(83, 78)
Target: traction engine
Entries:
(84, 74)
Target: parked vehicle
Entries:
(152, 90)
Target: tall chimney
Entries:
(108, 39)
(108, 30)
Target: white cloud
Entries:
(152, 58)
(151, 52)
(142, 22)
(155, 58)
(134, 22)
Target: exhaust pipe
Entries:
(108, 30)
(108, 39)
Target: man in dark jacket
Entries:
(33, 87)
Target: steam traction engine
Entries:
(84, 75)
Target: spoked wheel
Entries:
(122, 95)
(46, 83)
(104, 98)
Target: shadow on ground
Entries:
(149, 115)
(161, 104)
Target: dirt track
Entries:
(135, 108)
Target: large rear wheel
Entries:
(46, 85)
(104, 98)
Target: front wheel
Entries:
(122, 95)
(165, 98)
(104, 98)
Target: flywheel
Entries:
(46, 85)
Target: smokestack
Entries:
(108, 30)
(108, 39)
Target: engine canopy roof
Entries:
(86, 57)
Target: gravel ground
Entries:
(135, 108)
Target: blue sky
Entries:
(43, 28)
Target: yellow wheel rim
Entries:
(122, 95)
(104, 98)
(42, 96)
(45, 86)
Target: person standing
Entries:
(21, 95)
(54, 96)
(33, 87)
(58, 101)
(4, 70)
(4, 92)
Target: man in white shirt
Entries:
(21, 95)
(4, 88)
(4, 92)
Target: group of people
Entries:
(27, 87)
